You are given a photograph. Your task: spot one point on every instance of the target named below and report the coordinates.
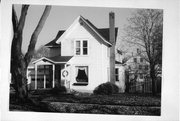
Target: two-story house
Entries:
(79, 57)
(138, 67)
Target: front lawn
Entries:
(126, 104)
(101, 109)
(116, 99)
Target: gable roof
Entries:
(55, 59)
(94, 29)
(53, 42)
(102, 32)
(105, 33)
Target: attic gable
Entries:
(87, 24)
(102, 33)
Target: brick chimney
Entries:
(112, 48)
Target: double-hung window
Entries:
(78, 47)
(140, 67)
(141, 60)
(81, 47)
(117, 74)
(135, 60)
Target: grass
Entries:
(116, 99)
(126, 104)
(101, 109)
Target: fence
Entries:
(140, 87)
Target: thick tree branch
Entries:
(35, 34)
(14, 19)
(18, 29)
(136, 43)
(17, 38)
(22, 18)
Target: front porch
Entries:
(47, 73)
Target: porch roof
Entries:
(60, 58)
(55, 59)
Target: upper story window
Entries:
(135, 60)
(140, 66)
(141, 76)
(141, 59)
(81, 47)
(146, 67)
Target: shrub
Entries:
(106, 89)
(59, 90)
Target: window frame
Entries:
(141, 60)
(146, 67)
(77, 47)
(81, 47)
(140, 67)
(135, 60)
(141, 76)
(81, 83)
(117, 74)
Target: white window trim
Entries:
(81, 47)
(83, 65)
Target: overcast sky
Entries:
(61, 17)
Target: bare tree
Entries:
(145, 31)
(42, 52)
(19, 61)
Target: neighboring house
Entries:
(138, 67)
(133, 72)
(79, 58)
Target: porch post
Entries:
(44, 81)
(44, 77)
(35, 76)
(65, 81)
(53, 84)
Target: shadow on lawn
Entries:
(125, 104)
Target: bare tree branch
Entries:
(17, 38)
(35, 34)
(22, 18)
(14, 19)
(144, 31)
(136, 43)
(20, 28)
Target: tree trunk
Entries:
(20, 81)
(153, 79)
(19, 62)
(22, 93)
